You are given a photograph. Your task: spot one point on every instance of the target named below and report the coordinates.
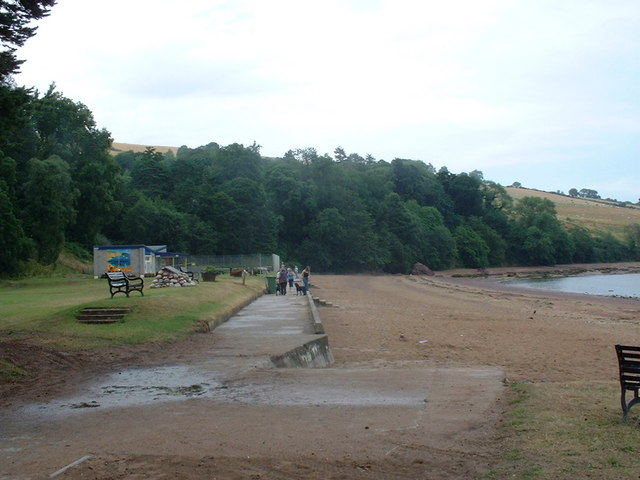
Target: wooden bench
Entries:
(119, 282)
(629, 363)
(190, 274)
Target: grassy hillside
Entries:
(596, 215)
(118, 147)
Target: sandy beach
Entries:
(462, 318)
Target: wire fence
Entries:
(262, 261)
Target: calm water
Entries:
(622, 285)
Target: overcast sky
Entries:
(542, 92)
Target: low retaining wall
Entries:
(315, 316)
(208, 325)
(315, 353)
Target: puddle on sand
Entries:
(135, 387)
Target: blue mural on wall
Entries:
(119, 260)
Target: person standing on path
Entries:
(282, 281)
(305, 278)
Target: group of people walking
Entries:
(288, 276)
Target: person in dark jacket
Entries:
(282, 280)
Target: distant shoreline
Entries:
(543, 271)
(492, 279)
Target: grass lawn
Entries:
(46, 308)
(568, 431)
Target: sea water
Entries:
(619, 285)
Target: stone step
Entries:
(101, 315)
(103, 311)
(323, 303)
(98, 319)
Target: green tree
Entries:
(473, 251)
(465, 192)
(293, 201)
(55, 128)
(632, 234)
(608, 248)
(584, 245)
(16, 27)
(235, 161)
(254, 224)
(433, 240)
(339, 154)
(157, 222)
(48, 200)
(497, 204)
(398, 230)
(150, 175)
(588, 193)
(18, 139)
(126, 160)
(537, 236)
(342, 241)
(67, 129)
(497, 245)
(535, 247)
(327, 236)
(14, 244)
(376, 182)
(414, 180)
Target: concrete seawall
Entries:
(315, 353)
(312, 354)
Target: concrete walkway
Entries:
(280, 330)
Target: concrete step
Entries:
(101, 315)
(323, 303)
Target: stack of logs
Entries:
(171, 277)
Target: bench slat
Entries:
(630, 353)
(629, 372)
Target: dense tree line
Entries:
(59, 184)
(57, 178)
(584, 193)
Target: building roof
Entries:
(157, 250)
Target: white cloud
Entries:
(493, 85)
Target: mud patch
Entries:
(136, 386)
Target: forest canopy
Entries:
(61, 185)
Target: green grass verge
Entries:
(46, 308)
(10, 372)
(568, 431)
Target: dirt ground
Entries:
(534, 336)
(450, 320)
